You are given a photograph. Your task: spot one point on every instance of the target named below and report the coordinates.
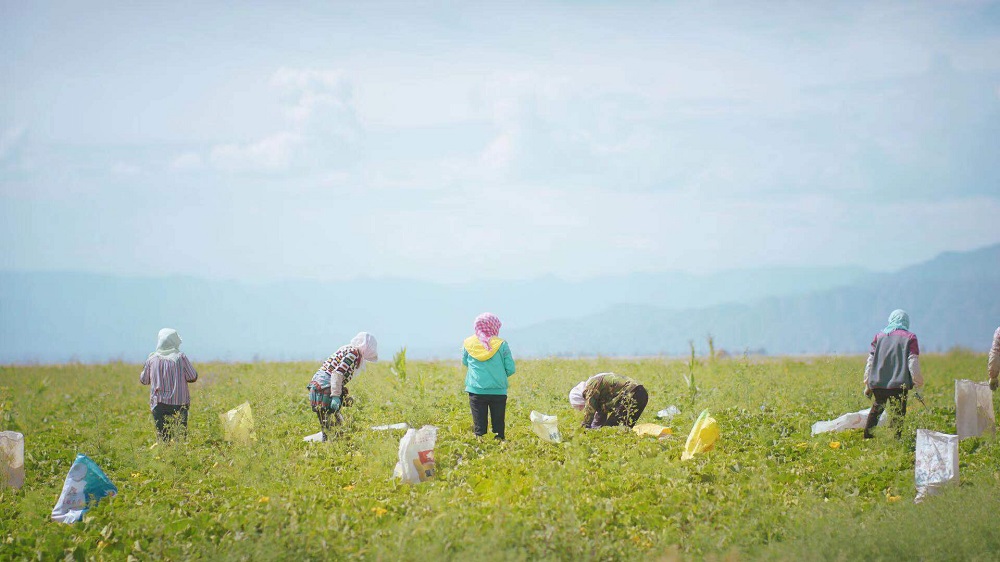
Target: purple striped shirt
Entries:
(168, 380)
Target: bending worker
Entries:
(611, 399)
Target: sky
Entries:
(459, 141)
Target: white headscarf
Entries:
(576, 395)
(367, 344)
(168, 344)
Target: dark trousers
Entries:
(895, 399)
(629, 408)
(166, 416)
(495, 405)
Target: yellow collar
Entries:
(478, 351)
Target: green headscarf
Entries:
(898, 320)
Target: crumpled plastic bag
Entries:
(703, 436)
(653, 430)
(416, 455)
(850, 420)
(936, 462)
(973, 409)
(85, 485)
(237, 424)
(11, 459)
(546, 427)
(668, 413)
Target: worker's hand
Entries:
(993, 384)
(348, 401)
(868, 392)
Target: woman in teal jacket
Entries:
(489, 364)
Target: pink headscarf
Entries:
(487, 326)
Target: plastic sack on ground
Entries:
(85, 485)
(653, 430)
(973, 408)
(668, 413)
(852, 420)
(11, 459)
(936, 462)
(545, 427)
(703, 436)
(416, 455)
(237, 424)
(314, 437)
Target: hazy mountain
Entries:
(953, 299)
(63, 316)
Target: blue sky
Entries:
(456, 141)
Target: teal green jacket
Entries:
(488, 368)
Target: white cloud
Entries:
(321, 120)
(271, 154)
(187, 161)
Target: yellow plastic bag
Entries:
(703, 436)
(652, 430)
(237, 424)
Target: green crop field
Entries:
(768, 491)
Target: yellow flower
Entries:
(801, 445)
(136, 474)
(378, 511)
(349, 488)
(892, 498)
(264, 499)
(834, 444)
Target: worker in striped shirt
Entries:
(167, 372)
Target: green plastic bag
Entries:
(85, 485)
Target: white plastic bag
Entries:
(851, 420)
(11, 459)
(85, 485)
(546, 427)
(973, 408)
(416, 455)
(315, 437)
(936, 462)
(668, 413)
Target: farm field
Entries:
(769, 491)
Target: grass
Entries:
(768, 491)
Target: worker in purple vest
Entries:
(893, 369)
(993, 367)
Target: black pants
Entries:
(164, 416)
(496, 405)
(895, 398)
(629, 408)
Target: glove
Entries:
(993, 384)
(348, 401)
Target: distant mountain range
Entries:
(953, 300)
(54, 317)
